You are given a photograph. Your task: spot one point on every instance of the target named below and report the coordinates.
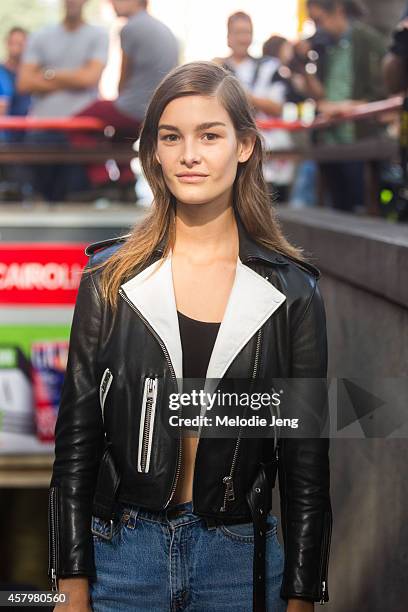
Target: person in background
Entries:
(14, 179)
(149, 51)
(352, 76)
(12, 103)
(249, 70)
(266, 88)
(395, 63)
(282, 50)
(61, 68)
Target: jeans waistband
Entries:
(177, 514)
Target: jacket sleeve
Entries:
(303, 463)
(79, 442)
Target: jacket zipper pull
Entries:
(54, 581)
(323, 592)
(229, 488)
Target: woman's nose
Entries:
(191, 154)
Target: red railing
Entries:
(65, 124)
(360, 111)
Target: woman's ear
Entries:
(157, 157)
(245, 147)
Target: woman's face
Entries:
(198, 150)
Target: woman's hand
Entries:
(300, 605)
(77, 590)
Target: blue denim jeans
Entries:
(172, 560)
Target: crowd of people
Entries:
(55, 72)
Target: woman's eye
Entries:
(211, 136)
(169, 137)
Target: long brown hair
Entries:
(250, 195)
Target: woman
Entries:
(206, 287)
(352, 76)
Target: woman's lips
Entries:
(192, 178)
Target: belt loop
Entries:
(212, 522)
(132, 520)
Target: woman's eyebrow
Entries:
(202, 126)
(208, 125)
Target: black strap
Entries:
(259, 499)
(259, 61)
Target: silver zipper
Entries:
(104, 387)
(325, 556)
(173, 375)
(229, 494)
(53, 552)
(147, 424)
(323, 590)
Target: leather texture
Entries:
(96, 454)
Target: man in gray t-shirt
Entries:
(149, 52)
(62, 65)
(61, 68)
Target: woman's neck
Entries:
(205, 237)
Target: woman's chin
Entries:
(192, 198)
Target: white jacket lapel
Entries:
(152, 292)
(252, 301)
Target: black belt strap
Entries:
(259, 499)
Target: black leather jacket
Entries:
(279, 330)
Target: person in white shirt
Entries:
(266, 93)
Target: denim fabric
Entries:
(171, 560)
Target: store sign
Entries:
(40, 273)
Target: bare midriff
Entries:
(184, 488)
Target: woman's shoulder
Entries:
(287, 264)
(298, 279)
(301, 267)
(101, 250)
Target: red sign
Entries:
(40, 273)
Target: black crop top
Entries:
(197, 341)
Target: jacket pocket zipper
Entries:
(53, 537)
(147, 424)
(229, 493)
(173, 376)
(104, 387)
(325, 557)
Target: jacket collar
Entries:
(253, 299)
